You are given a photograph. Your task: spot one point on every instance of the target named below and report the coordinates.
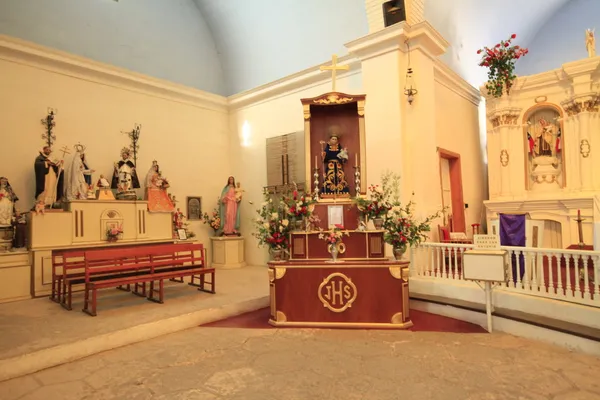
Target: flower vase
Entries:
(333, 249)
(111, 239)
(399, 252)
(276, 254)
(298, 224)
(378, 222)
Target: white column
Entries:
(504, 168)
(585, 149)
(570, 146)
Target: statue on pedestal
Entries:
(156, 191)
(590, 42)
(8, 198)
(20, 225)
(229, 209)
(334, 157)
(125, 178)
(48, 178)
(79, 176)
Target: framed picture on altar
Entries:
(335, 215)
(194, 208)
(181, 233)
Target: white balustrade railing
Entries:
(568, 275)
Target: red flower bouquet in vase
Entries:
(300, 207)
(500, 61)
(333, 238)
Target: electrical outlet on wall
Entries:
(466, 205)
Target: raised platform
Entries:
(39, 334)
(346, 294)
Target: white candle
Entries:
(316, 162)
(355, 160)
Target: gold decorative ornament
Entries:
(405, 274)
(279, 272)
(333, 98)
(504, 158)
(397, 318)
(541, 99)
(337, 292)
(585, 148)
(396, 272)
(281, 317)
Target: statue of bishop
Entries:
(125, 177)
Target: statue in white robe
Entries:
(78, 176)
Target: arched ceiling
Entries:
(260, 41)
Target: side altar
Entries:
(84, 224)
(337, 274)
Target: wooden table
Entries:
(348, 294)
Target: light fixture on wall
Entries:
(410, 87)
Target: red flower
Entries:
(506, 44)
(479, 51)
(513, 36)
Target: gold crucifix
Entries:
(334, 67)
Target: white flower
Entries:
(280, 228)
(266, 225)
(321, 236)
(285, 222)
(274, 215)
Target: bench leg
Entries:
(178, 280)
(160, 292)
(86, 300)
(203, 282)
(86, 310)
(136, 289)
(67, 297)
(126, 289)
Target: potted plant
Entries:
(272, 227)
(333, 238)
(500, 61)
(112, 234)
(213, 219)
(375, 207)
(299, 208)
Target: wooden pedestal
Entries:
(350, 294)
(227, 252)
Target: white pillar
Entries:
(504, 161)
(585, 151)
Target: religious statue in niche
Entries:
(125, 177)
(8, 198)
(544, 146)
(229, 209)
(79, 177)
(156, 191)
(334, 156)
(48, 178)
(590, 42)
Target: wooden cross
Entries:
(334, 67)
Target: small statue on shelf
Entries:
(125, 177)
(79, 177)
(590, 42)
(103, 183)
(156, 191)
(239, 192)
(8, 198)
(20, 225)
(229, 209)
(334, 157)
(48, 178)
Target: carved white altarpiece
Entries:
(543, 149)
(84, 224)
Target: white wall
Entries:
(167, 39)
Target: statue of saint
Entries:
(79, 176)
(48, 178)
(125, 178)
(229, 209)
(544, 139)
(8, 198)
(590, 42)
(156, 191)
(334, 157)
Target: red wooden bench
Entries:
(68, 269)
(141, 266)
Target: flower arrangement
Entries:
(272, 225)
(213, 219)
(299, 206)
(373, 206)
(112, 234)
(313, 222)
(402, 230)
(500, 60)
(334, 235)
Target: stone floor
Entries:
(235, 363)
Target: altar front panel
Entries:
(359, 245)
(368, 294)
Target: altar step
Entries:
(38, 334)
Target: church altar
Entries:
(541, 141)
(360, 287)
(83, 224)
(350, 294)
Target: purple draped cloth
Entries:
(512, 233)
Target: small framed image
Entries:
(335, 215)
(181, 234)
(194, 208)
